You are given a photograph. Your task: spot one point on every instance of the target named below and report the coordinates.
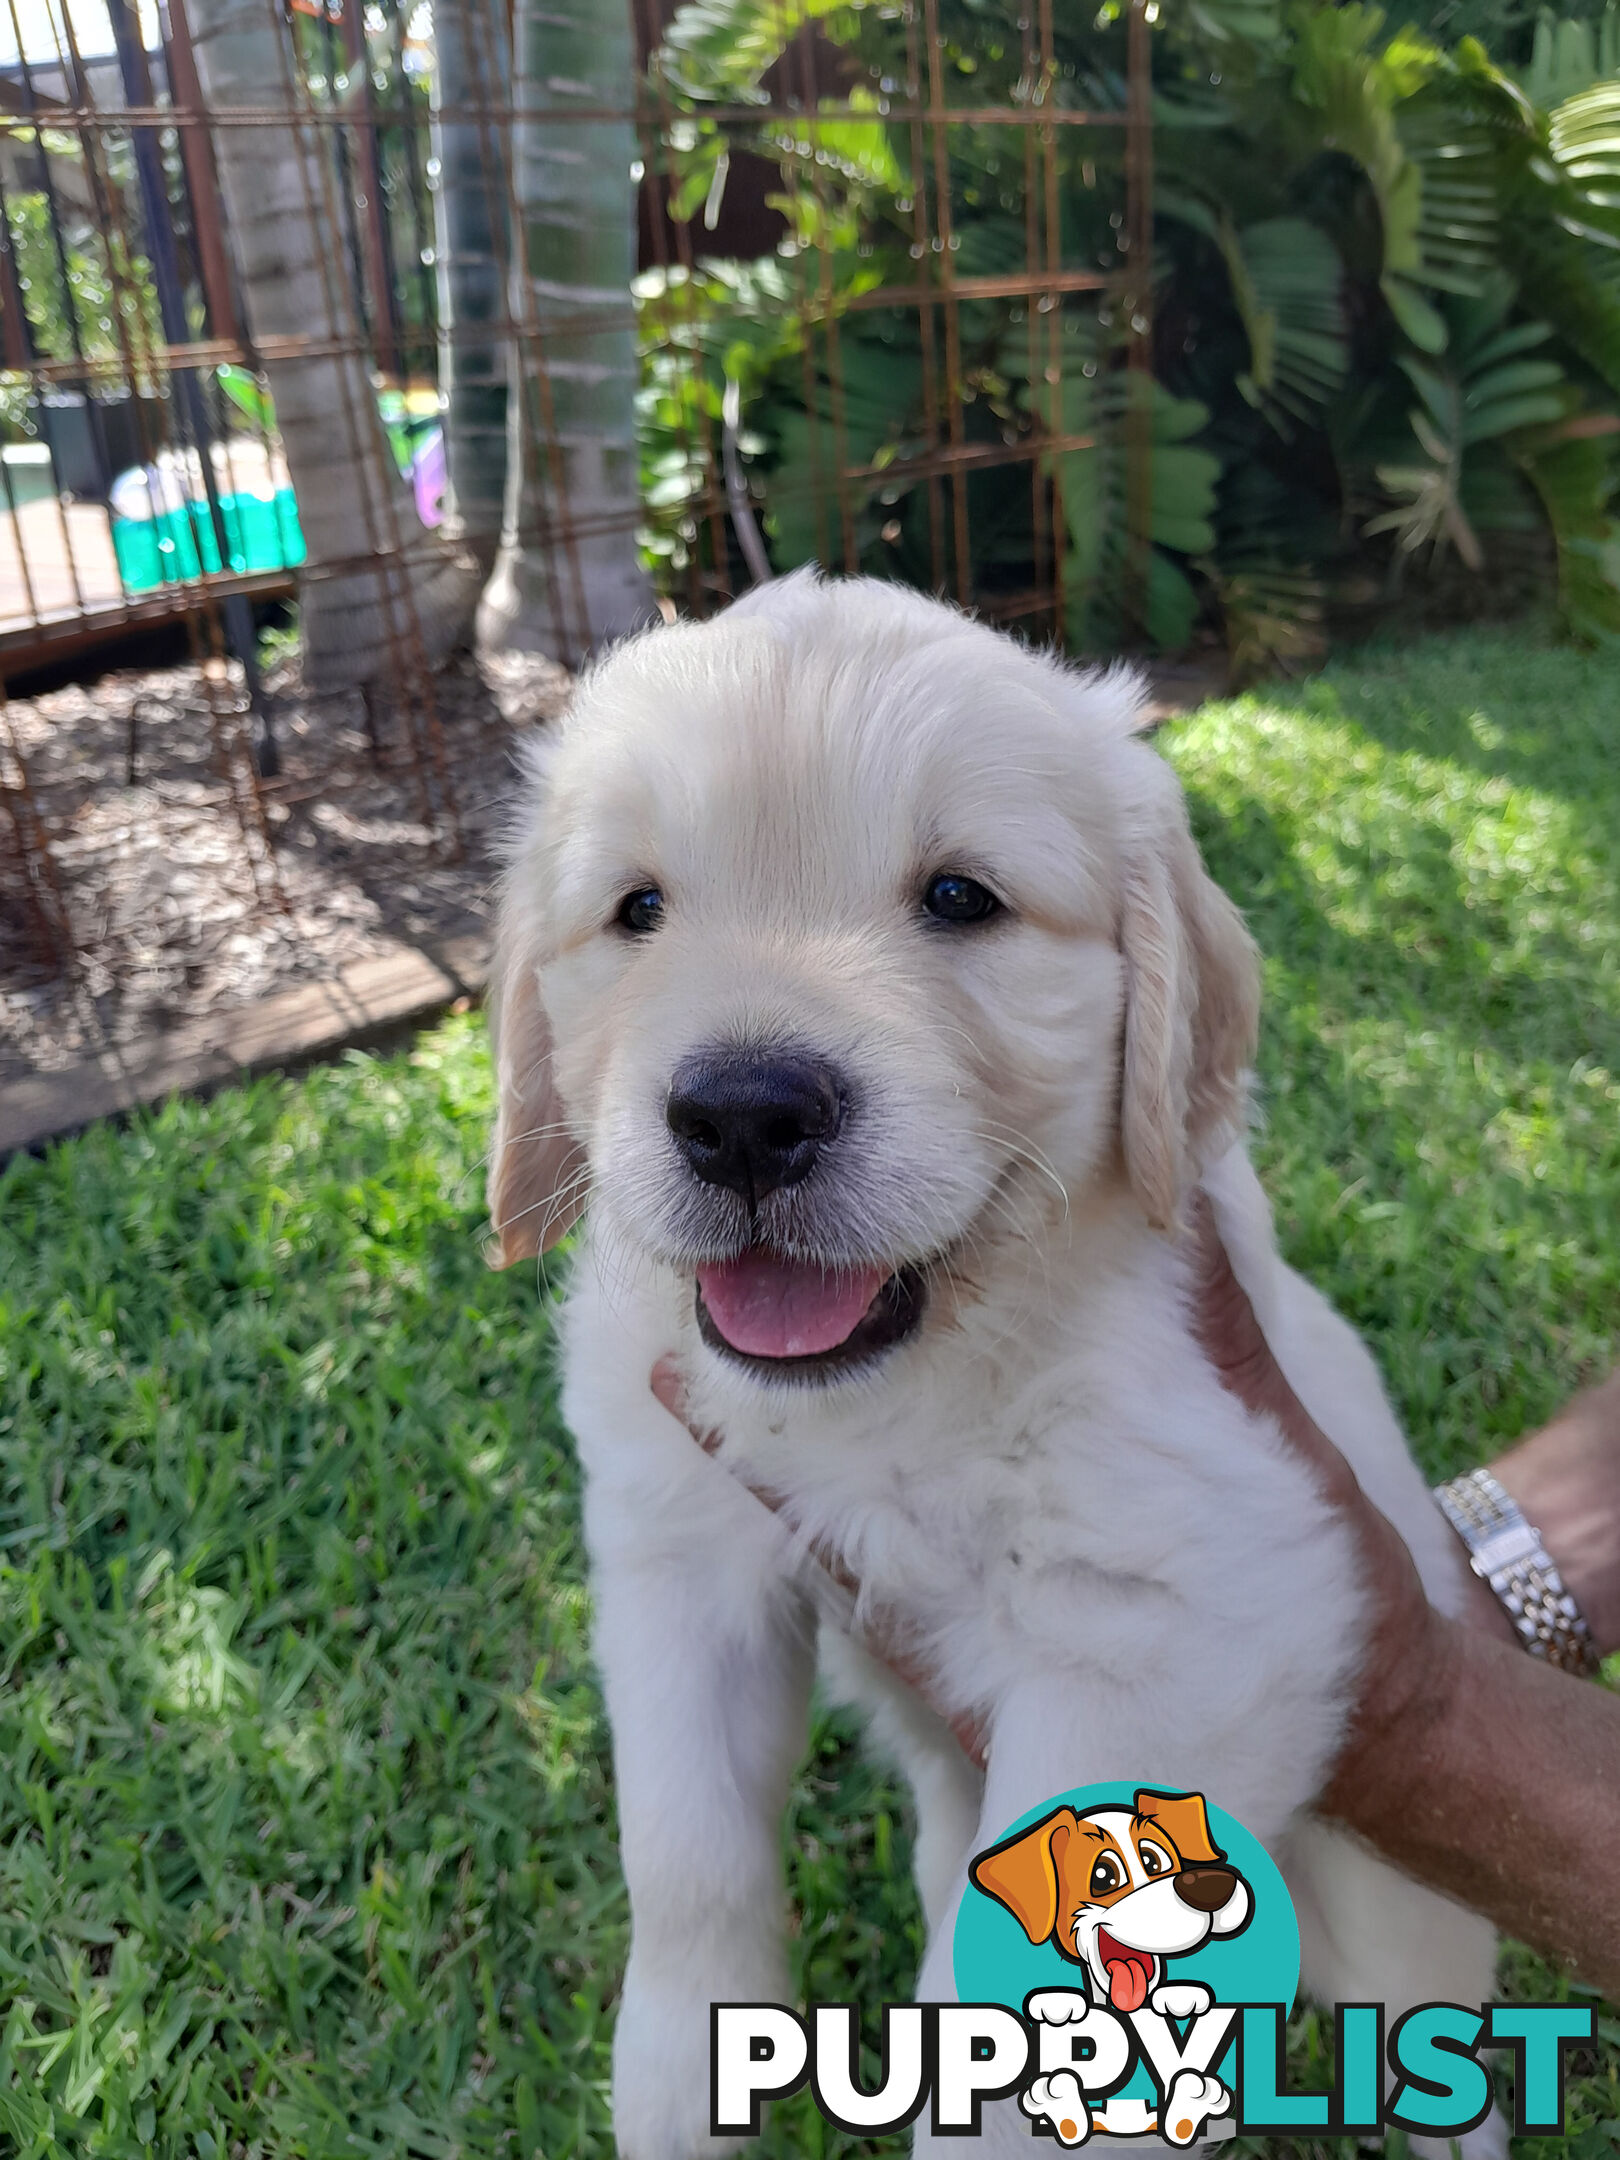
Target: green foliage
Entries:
(1237, 22)
(1386, 279)
(1288, 289)
(1093, 483)
(248, 395)
(1569, 54)
(1584, 138)
(105, 301)
(1492, 391)
(306, 1809)
(1574, 476)
(719, 49)
(1511, 29)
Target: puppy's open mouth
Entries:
(796, 1320)
(1131, 1972)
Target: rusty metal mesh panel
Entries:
(134, 346)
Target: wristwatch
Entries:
(1506, 1551)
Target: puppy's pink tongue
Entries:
(1127, 1983)
(768, 1307)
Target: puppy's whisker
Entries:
(624, 1266)
(553, 1203)
(954, 1027)
(567, 1201)
(559, 1128)
(537, 1132)
(1015, 1143)
(1007, 1205)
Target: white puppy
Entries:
(859, 967)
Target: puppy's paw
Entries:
(1192, 2100)
(661, 2097)
(1181, 1999)
(1059, 2102)
(653, 2126)
(1056, 2006)
(664, 2118)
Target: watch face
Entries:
(1505, 1551)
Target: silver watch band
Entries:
(1506, 1551)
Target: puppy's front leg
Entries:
(706, 1657)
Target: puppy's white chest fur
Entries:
(1032, 1510)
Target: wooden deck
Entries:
(355, 1004)
(59, 584)
(56, 563)
(78, 600)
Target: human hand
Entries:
(1410, 1655)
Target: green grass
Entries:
(305, 1815)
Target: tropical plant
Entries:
(1385, 360)
(1506, 28)
(90, 300)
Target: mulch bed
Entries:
(189, 888)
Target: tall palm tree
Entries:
(470, 75)
(374, 575)
(567, 574)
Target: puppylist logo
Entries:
(1126, 1959)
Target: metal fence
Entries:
(144, 480)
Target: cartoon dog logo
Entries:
(1119, 1891)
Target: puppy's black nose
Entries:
(1206, 1889)
(753, 1120)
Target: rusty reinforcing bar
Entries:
(124, 153)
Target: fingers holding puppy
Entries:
(1410, 1650)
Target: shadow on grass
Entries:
(1441, 953)
(1544, 716)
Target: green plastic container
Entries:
(174, 545)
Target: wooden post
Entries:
(202, 180)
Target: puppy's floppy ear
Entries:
(536, 1183)
(1022, 1872)
(1185, 1821)
(1192, 1005)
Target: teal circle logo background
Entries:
(995, 1961)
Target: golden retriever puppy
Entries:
(857, 968)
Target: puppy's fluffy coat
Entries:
(1097, 1552)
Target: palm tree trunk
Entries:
(375, 576)
(567, 575)
(471, 69)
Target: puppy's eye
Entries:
(1106, 1875)
(641, 911)
(1155, 1861)
(952, 898)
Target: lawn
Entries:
(305, 1814)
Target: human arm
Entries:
(1484, 1772)
(1566, 1478)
